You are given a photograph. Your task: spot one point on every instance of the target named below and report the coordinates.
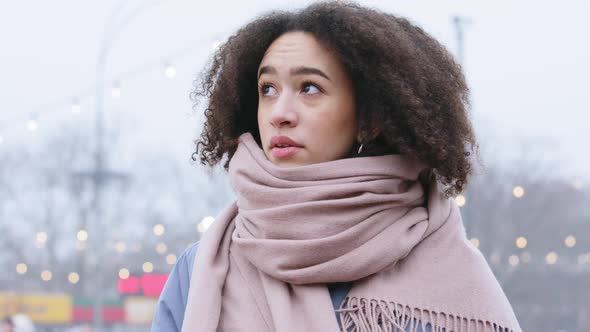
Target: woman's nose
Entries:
(284, 113)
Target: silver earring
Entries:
(360, 149)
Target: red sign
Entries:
(152, 284)
(129, 285)
(149, 284)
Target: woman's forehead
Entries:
(295, 50)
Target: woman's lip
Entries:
(282, 140)
(285, 152)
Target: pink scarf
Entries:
(379, 221)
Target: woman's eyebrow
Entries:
(266, 70)
(308, 71)
(294, 71)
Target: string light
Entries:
(73, 278)
(475, 242)
(518, 191)
(148, 267)
(171, 259)
(170, 71)
(21, 268)
(120, 247)
(46, 275)
(551, 258)
(82, 235)
(521, 242)
(124, 273)
(159, 230)
(513, 260)
(205, 224)
(570, 241)
(161, 248)
(32, 125)
(41, 237)
(460, 200)
(40, 240)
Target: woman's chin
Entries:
(292, 161)
(285, 163)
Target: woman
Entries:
(346, 136)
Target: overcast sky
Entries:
(526, 63)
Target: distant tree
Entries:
(46, 187)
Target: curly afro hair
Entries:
(408, 89)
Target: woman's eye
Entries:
(310, 88)
(267, 90)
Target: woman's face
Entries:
(306, 111)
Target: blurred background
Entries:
(99, 196)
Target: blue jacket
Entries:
(170, 310)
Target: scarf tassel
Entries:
(370, 315)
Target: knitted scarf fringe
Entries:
(370, 315)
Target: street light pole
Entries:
(100, 174)
(99, 168)
(459, 24)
